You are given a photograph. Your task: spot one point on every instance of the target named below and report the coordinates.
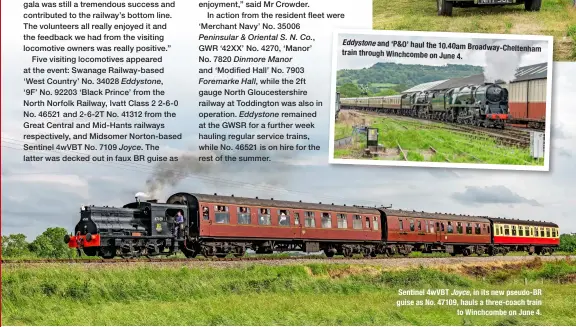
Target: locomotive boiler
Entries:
(481, 105)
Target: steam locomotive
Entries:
(217, 225)
(480, 105)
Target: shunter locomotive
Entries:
(217, 225)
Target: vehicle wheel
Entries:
(329, 254)
(444, 8)
(532, 5)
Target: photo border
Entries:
(390, 163)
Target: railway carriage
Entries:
(220, 225)
(525, 235)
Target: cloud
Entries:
(498, 194)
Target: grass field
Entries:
(312, 294)
(416, 141)
(556, 18)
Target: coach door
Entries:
(438, 231)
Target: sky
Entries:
(36, 196)
(469, 57)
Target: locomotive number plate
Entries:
(495, 2)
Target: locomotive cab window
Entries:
(342, 222)
(411, 225)
(468, 228)
(264, 217)
(357, 222)
(222, 215)
(283, 218)
(375, 223)
(309, 219)
(206, 213)
(244, 216)
(326, 220)
(450, 228)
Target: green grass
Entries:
(556, 18)
(451, 146)
(312, 294)
(342, 131)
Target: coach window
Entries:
(309, 219)
(342, 221)
(297, 219)
(547, 232)
(450, 227)
(400, 224)
(367, 222)
(478, 229)
(419, 225)
(553, 232)
(431, 227)
(222, 215)
(513, 230)
(206, 213)
(412, 225)
(426, 226)
(442, 226)
(375, 223)
(264, 217)
(488, 229)
(520, 231)
(459, 228)
(283, 218)
(506, 229)
(541, 231)
(326, 220)
(357, 222)
(469, 228)
(244, 216)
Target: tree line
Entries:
(50, 244)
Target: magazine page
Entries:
(291, 162)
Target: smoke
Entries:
(277, 171)
(503, 65)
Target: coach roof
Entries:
(523, 222)
(436, 215)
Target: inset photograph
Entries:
(556, 18)
(441, 100)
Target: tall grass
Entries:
(312, 294)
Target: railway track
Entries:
(509, 137)
(263, 259)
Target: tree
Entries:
(350, 91)
(14, 245)
(51, 244)
(567, 243)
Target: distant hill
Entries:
(399, 77)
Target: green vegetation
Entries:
(49, 244)
(433, 142)
(567, 243)
(556, 18)
(312, 294)
(397, 77)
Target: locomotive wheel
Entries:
(532, 5)
(444, 8)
